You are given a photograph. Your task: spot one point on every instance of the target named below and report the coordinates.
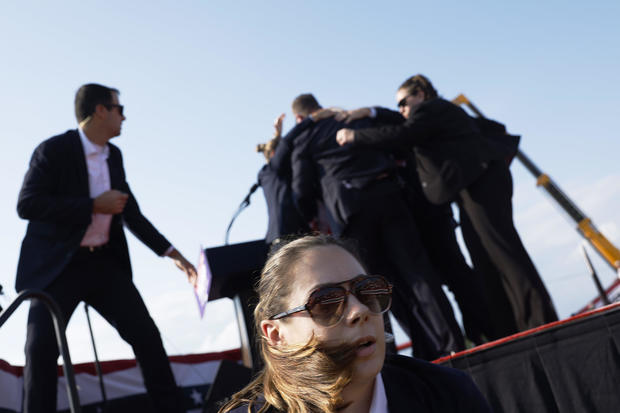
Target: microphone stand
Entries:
(244, 204)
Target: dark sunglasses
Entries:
(326, 304)
(114, 105)
(403, 102)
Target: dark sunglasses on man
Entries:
(109, 106)
(403, 102)
(327, 303)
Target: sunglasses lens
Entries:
(327, 305)
(374, 293)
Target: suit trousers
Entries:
(389, 243)
(502, 317)
(98, 279)
(436, 225)
(488, 206)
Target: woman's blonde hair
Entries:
(298, 379)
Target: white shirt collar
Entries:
(91, 148)
(379, 398)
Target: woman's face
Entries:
(328, 265)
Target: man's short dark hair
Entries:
(419, 83)
(89, 96)
(305, 104)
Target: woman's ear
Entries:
(272, 332)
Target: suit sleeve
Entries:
(40, 198)
(137, 223)
(413, 131)
(282, 157)
(388, 117)
(304, 179)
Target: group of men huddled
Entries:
(387, 179)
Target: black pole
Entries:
(61, 339)
(104, 397)
(597, 281)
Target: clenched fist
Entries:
(110, 202)
(344, 136)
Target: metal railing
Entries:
(61, 338)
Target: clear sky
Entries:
(202, 82)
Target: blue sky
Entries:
(202, 82)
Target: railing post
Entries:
(61, 338)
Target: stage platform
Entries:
(571, 365)
(568, 366)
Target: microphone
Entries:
(244, 204)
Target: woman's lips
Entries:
(366, 346)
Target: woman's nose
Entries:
(356, 311)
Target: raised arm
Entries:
(282, 155)
(394, 133)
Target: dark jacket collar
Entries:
(78, 154)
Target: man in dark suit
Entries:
(436, 226)
(77, 200)
(456, 162)
(365, 203)
(275, 179)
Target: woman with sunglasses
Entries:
(455, 162)
(323, 342)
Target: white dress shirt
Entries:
(379, 398)
(98, 232)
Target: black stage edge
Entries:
(567, 366)
(235, 269)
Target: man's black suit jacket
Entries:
(451, 152)
(337, 174)
(275, 179)
(55, 198)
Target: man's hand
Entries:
(277, 125)
(185, 266)
(325, 113)
(110, 202)
(344, 136)
(357, 114)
